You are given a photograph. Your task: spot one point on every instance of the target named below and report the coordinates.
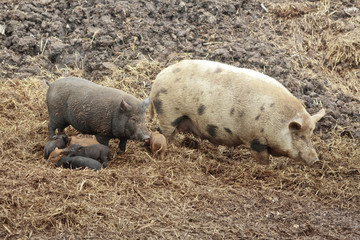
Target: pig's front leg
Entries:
(259, 151)
(102, 140)
(122, 145)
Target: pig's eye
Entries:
(132, 121)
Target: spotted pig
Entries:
(231, 106)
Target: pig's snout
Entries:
(312, 161)
(142, 135)
(311, 157)
(146, 138)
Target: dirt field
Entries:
(198, 191)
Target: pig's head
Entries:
(134, 127)
(61, 138)
(56, 155)
(301, 130)
(74, 150)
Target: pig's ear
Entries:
(146, 102)
(124, 106)
(65, 138)
(295, 125)
(317, 116)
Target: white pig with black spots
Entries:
(232, 106)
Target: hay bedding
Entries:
(198, 190)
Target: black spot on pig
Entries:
(241, 114)
(257, 146)
(257, 117)
(262, 108)
(178, 120)
(158, 106)
(232, 111)
(228, 130)
(218, 70)
(271, 105)
(177, 79)
(163, 90)
(211, 129)
(262, 130)
(201, 109)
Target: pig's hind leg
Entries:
(102, 140)
(59, 124)
(167, 128)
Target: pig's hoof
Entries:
(261, 157)
(317, 164)
(263, 162)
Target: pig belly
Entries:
(89, 117)
(207, 123)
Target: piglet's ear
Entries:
(317, 116)
(124, 106)
(295, 125)
(65, 138)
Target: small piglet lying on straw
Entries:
(95, 151)
(78, 162)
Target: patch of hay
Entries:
(288, 10)
(198, 190)
(343, 50)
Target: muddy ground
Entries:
(199, 190)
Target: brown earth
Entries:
(198, 191)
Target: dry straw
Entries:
(198, 190)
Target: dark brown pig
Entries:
(96, 151)
(55, 141)
(79, 162)
(97, 110)
(231, 106)
(157, 144)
